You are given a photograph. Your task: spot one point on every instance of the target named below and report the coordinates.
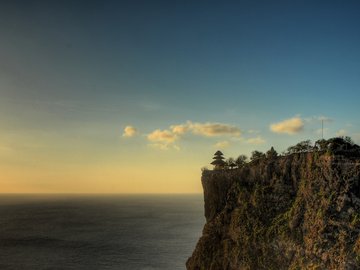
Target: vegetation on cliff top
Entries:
(330, 146)
(298, 210)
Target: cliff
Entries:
(300, 211)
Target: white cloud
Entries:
(165, 136)
(215, 129)
(180, 129)
(129, 131)
(289, 126)
(207, 129)
(222, 144)
(257, 140)
(163, 139)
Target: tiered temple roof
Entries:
(218, 161)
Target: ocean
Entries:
(123, 232)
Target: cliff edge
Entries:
(300, 211)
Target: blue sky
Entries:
(74, 74)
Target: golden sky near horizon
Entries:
(135, 97)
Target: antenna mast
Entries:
(322, 128)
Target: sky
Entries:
(136, 96)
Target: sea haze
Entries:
(129, 232)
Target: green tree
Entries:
(348, 140)
(241, 161)
(304, 146)
(204, 169)
(321, 145)
(257, 155)
(230, 160)
(271, 153)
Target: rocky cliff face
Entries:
(300, 211)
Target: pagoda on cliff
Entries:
(218, 161)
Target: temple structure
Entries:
(218, 161)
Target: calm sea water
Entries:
(98, 232)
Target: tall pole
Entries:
(322, 128)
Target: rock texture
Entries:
(300, 211)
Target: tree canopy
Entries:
(241, 160)
(303, 146)
(257, 155)
(271, 153)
